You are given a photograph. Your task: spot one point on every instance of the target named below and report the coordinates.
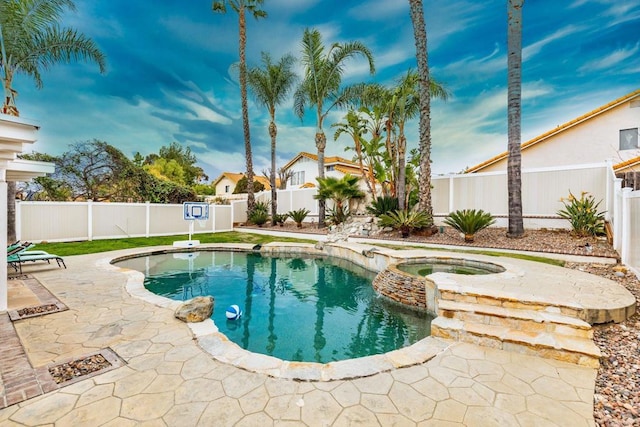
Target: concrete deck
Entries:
(168, 379)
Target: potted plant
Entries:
(405, 221)
(469, 222)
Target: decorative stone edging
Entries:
(221, 348)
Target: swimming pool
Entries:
(307, 309)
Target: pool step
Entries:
(549, 335)
(518, 319)
(488, 297)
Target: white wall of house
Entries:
(594, 140)
(225, 187)
(304, 170)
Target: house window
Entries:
(297, 178)
(227, 188)
(331, 168)
(628, 139)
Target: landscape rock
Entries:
(195, 310)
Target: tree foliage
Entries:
(321, 86)
(31, 40)
(271, 84)
(243, 183)
(95, 170)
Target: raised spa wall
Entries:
(418, 292)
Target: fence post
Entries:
(608, 189)
(625, 233)
(147, 221)
(89, 219)
(212, 210)
(18, 221)
(450, 194)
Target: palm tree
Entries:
(31, 40)
(321, 82)
(420, 35)
(514, 99)
(356, 127)
(242, 7)
(341, 191)
(271, 85)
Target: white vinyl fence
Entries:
(542, 190)
(71, 221)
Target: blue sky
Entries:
(170, 74)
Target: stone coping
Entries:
(524, 281)
(221, 348)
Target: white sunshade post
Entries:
(3, 239)
(15, 133)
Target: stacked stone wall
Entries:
(406, 289)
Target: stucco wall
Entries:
(220, 187)
(594, 140)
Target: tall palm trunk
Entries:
(273, 132)
(514, 98)
(321, 144)
(251, 202)
(10, 109)
(420, 35)
(401, 193)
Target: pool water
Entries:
(299, 309)
(460, 266)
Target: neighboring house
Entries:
(606, 133)
(226, 183)
(304, 168)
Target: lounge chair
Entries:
(20, 255)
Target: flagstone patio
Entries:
(168, 379)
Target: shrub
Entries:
(583, 214)
(241, 186)
(382, 205)
(259, 217)
(469, 222)
(262, 206)
(405, 221)
(280, 218)
(338, 215)
(298, 216)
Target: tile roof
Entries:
(545, 136)
(328, 160)
(235, 177)
(626, 164)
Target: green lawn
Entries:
(94, 246)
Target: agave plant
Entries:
(405, 221)
(469, 222)
(298, 216)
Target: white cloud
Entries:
(201, 112)
(612, 60)
(535, 48)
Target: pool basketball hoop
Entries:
(193, 211)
